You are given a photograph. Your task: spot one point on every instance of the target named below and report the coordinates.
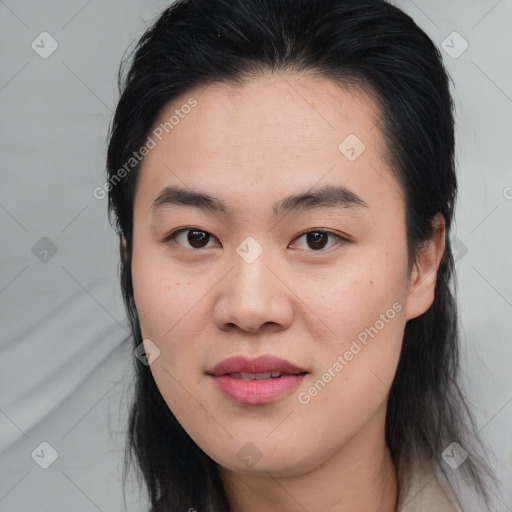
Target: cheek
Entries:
(366, 346)
(364, 308)
(355, 295)
(354, 369)
(170, 315)
(166, 300)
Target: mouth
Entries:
(257, 381)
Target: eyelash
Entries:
(172, 236)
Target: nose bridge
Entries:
(250, 274)
(252, 295)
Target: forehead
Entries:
(285, 111)
(273, 132)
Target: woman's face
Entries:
(320, 282)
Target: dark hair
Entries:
(375, 47)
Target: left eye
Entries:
(317, 240)
(198, 238)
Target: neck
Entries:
(360, 476)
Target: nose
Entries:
(253, 297)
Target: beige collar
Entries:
(428, 489)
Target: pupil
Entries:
(314, 239)
(195, 238)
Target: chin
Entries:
(279, 462)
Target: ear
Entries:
(122, 244)
(423, 278)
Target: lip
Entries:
(255, 392)
(266, 363)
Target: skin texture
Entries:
(251, 146)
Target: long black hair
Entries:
(369, 44)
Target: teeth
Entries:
(255, 376)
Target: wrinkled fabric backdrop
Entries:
(65, 358)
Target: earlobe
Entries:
(424, 273)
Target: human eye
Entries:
(196, 238)
(317, 239)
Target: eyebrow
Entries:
(334, 196)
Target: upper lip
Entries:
(262, 364)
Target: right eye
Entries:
(196, 238)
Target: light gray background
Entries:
(65, 367)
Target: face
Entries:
(319, 280)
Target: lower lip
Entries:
(256, 392)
